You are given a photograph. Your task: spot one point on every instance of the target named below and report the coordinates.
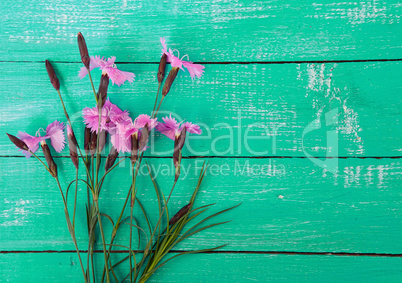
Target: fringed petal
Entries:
(55, 132)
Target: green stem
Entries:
(103, 240)
(150, 262)
(160, 103)
(75, 199)
(116, 226)
(71, 229)
(133, 194)
(156, 100)
(47, 168)
(131, 235)
(71, 125)
(98, 156)
(92, 84)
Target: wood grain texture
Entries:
(273, 105)
(216, 268)
(218, 31)
(276, 89)
(287, 205)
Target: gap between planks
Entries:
(237, 157)
(221, 252)
(236, 62)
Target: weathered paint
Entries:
(348, 204)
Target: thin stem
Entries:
(47, 168)
(157, 224)
(131, 235)
(156, 100)
(75, 199)
(133, 194)
(92, 84)
(71, 229)
(92, 170)
(69, 122)
(88, 253)
(64, 107)
(116, 226)
(103, 177)
(160, 103)
(103, 240)
(98, 156)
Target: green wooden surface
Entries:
(289, 204)
(220, 268)
(271, 104)
(319, 212)
(218, 31)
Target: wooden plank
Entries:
(275, 106)
(64, 267)
(222, 31)
(287, 204)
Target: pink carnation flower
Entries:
(111, 115)
(172, 128)
(108, 67)
(54, 132)
(195, 70)
(121, 137)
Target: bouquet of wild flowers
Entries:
(126, 135)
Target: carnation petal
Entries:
(195, 70)
(118, 77)
(31, 141)
(94, 63)
(55, 133)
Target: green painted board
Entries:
(64, 267)
(244, 110)
(267, 77)
(287, 204)
(219, 31)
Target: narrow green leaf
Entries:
(108, 217)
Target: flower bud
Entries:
(83, 50)
(180, 214)
(49, 159)
(111, 158)
(134, 148)
(52, 76)
(142, 143)
(18, 143)
(102, 92)
(72, 144)
(92, 144)
(182, 138)
(87, 139)
(178, 146)
(169, 81)
(162, 67)
(102, 140)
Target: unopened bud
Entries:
(111, 158)
(83, 50)
(169, 81)
(72, 144)
(162, 67)
(49, 159)
(102, 92)
(52, 75)
(18, 143)
(92, 144)
(178, 146)
(179, 214)
(102, 140)
(134, 148)
(142, 143)
(87, 139)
